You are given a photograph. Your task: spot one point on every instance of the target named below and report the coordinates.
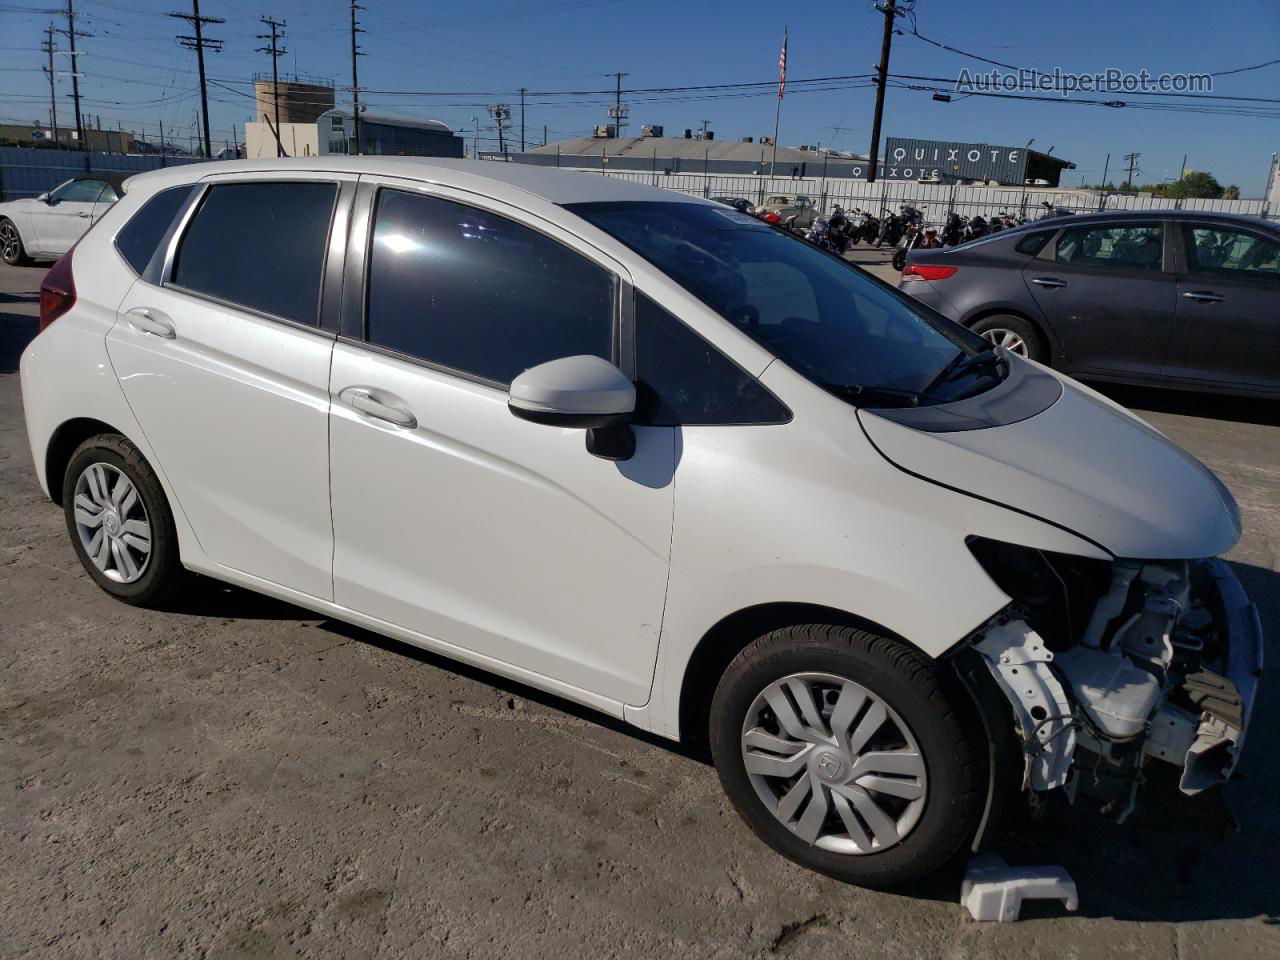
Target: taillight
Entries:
(57, 290)
(925, 271)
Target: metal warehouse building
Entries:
(938, 161)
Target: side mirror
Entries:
(46, 198)
(581, 391)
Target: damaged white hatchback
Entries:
(654, 456)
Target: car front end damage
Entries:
(1110, 668)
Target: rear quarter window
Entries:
(138, 239)
(1033, 243)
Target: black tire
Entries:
(163, 578)
(922, 692)
(899, 259)
(14, 253)
(1025, 330)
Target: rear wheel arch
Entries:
(1046, 337)
(62, 445)
(713, 653)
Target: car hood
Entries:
(13, 206)
(1084, 464)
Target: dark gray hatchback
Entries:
(1163, 297)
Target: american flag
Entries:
(782, 65)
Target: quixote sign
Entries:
(943, 159)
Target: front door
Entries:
(69, 213)
(227, 370)
(452, 518)
(1104, 291)
(1228, 308)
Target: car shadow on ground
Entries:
(16, 331)
(1177, 860)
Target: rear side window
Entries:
(1033, 243)
(138, 239)
(1128, 247)
(260, 245)
(681, 380)
(478, 293)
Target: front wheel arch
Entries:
(716, 649)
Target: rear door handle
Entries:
(85, 215)
(147, 320)
(1048, 282)
(1204, 296)
(362, 399)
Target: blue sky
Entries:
(137, 75)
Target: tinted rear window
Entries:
(260, 245)
(138, 239)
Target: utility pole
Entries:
(355, 79)
(198, 43)
(1182, 170)
(501, 113)
(475, 142)
(71, 33)
(890, 10)
(617, 111)
(1132, 160)
(276, 51)
(53, 85)
(705, 124)
(522, 93)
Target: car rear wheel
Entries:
(120, 523)
(12, 251)
(1014, 334)
(850, 753)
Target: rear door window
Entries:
(138, 239)
(1131, 247)
(260, 245)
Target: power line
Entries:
(71, 33)
(198, 44)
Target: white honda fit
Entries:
(654, 456)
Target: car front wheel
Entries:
(850, 753)
(12, 251)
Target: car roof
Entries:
(1121, 216)
(490, 177)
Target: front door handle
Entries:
(362, 399)
(1048, 282)
(1204, 296)
(147, 320)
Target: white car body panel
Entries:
(497, 541)
(50, 230)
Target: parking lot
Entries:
(240, 777)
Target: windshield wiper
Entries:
(871, 394)
(963, 363)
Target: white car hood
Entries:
(1083, 464)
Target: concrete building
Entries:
(334, 130)
(302, 99)
(41, 135)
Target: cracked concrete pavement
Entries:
(241, 778)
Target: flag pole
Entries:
(777, 113)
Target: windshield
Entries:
(821, 316)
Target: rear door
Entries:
(223, 354)
(1228, 307)
(1105, 290)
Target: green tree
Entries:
(1195, 185)
(1231, 193)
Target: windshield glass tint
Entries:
(823, 317)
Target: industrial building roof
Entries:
(391, 121)
(645, 147)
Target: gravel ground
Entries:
(243, 778)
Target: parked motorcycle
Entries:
(975, 228)
(867, 227)
(953, 229)
(839, 230)
(917, 236)
(1052, 213)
